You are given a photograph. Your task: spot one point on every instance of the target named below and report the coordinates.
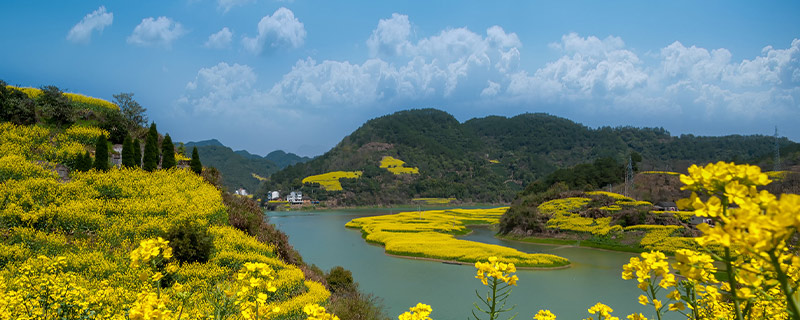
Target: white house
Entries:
(295, 197)
(241, 192)
(273, 195)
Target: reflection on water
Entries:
(594, 275)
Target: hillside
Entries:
(490, 159)
(239, 167)
(236, 169)
(124, 242)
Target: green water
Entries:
(594, 275)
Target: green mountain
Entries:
(237, 170)
(283, 159)
(238, 167)
(491, 159)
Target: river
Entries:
(594, 275)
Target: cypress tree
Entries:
(127, 153)
(168, 153)
(137, 153)
(150, 161)
(101, 154)
(197, 167)
(84, 162)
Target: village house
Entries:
(295, 197)
(241, 192)
(665, 206)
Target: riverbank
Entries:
(573, 243)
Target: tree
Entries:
(132, 111)
(16, 106)
(83, 162)
(137, 153)
(101, 154)
(113, 122)
(635, 158)
(127, 153)
(150, 161)
(167, 153)
(56, 106)
(197, 167)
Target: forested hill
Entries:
(242, 169)
(490, 159)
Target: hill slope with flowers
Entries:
(91, 245)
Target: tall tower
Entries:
(629, 177)
(777, 152)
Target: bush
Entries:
(190, 242)
(340, 280)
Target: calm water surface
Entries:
(594, 275)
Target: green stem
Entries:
(494, 298)
(784, 281)
(653, 297)
(732, 282)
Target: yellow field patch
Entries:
(430, 234)
(396, 166)
(330, 181)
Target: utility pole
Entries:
(777, 152)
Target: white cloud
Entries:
(491, 90)
(390, 38)
(459, 67)
(226, 5)
(220, 40)
(220, 89)
(281, 29)
(97, 20)
(156, 32)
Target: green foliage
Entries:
(137, 153)
(113, 122)
(101, 154)
(132, 112)
(127, 153)
(237, 167)
(340, 280)
(195, 163)
(190, 241)
(16, 106)
(168, 153)
(84, 162)
(150, 161)
(587, 176)
(56, 106)
(453, 158)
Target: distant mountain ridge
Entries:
(238, 167)
(490, 159)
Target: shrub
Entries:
(340, 280)
(190, 241)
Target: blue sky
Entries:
(300, 75)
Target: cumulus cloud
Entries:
(491, 90)
(96, 20)
(220, 40)
(220, 89)
(460, 67)
(436, 66)
(390, 38)
(156, 32)
(281, 29)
